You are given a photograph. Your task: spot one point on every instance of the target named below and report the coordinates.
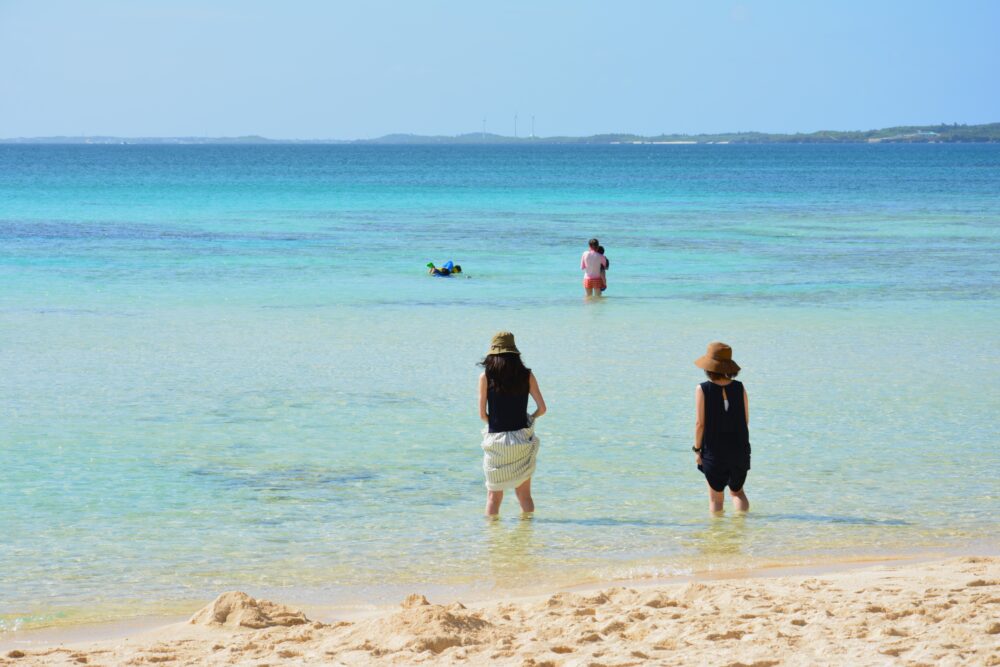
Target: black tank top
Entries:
(726, 438)
(506, 412)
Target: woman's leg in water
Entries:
(493, 500)
(716, 500)
(524, 496)
(740, 502)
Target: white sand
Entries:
(940, 613)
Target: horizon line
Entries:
(518, 138)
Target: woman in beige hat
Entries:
(510, 445)
(721, 429)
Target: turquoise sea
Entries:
(224, 367)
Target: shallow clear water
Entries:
(223, 367)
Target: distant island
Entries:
(911, 134)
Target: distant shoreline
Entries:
(923, 134)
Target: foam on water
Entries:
(224, 368)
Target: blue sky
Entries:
(362, 69)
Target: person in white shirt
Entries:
(591, 264)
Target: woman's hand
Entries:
(697, 458)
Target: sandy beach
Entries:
(944, 612)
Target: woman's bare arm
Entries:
(699, 420)
(482, 398)
(536, 394)
(746, 405)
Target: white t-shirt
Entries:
(591, 262)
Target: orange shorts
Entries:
(593, 283)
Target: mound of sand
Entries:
(421, 626)
(239, 610)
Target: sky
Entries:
(350, 70)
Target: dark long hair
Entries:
(506, 373)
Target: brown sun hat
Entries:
(502, 343)
(718, 358)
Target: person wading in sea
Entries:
(510, 445)
(721, 428)
(591, 264)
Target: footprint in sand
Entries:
(598, 599)
(614, 626)
(557, 600)
(660, 601)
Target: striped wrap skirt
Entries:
(509, 457)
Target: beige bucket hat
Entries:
(503, 343)
(718, 358)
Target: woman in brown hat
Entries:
(721, 433)
(510, 445)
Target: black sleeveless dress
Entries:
(506, 412)
(725, 454)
